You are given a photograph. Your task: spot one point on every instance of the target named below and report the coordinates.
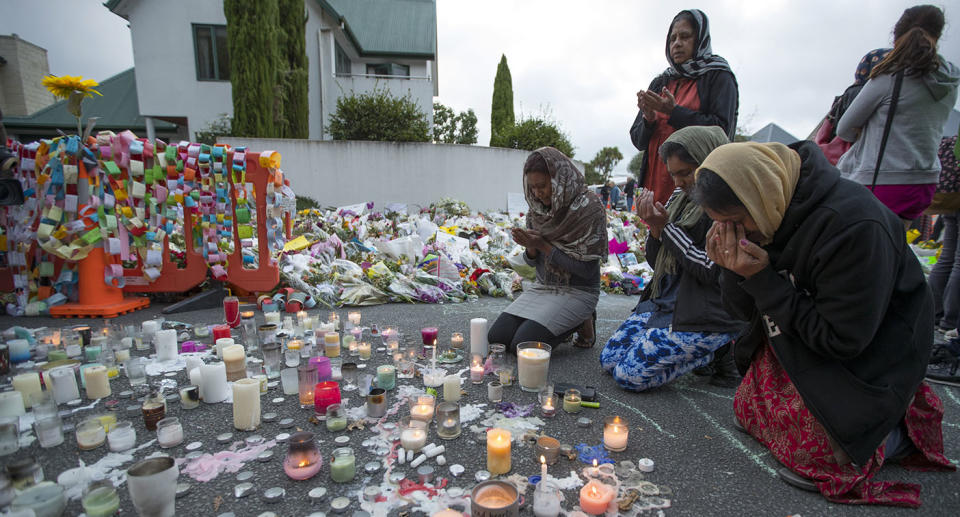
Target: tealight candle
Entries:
(421, 407)
(476, 369)
(29, 383)
(615, 433)
(448, 420)
(364, 350)
(413, 433)
(307, 380)
(495, 497)
(548, 448)
(571, 401)
(549, 406)
(98, 382)
(456, 341)
(595, 497)
(498, 451)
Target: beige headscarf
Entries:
(763, 176)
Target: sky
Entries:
(579, 63)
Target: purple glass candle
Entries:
(429, 335)
(324, 371)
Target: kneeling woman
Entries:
(841, 321)
(565, 239)
(679, 323)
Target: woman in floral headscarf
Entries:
(566, 240)
(698, 89)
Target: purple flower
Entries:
(587, 453)
(511, 410)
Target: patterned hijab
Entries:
(703, 58)
(575, 222)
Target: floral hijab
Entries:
(704, 59)
(575, 222)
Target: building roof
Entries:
(117, 109)
(388, 27)
(773, 133)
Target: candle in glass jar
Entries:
(343, 465)
(324, 394)
(595, 497)
(549, 406)
(90, 434)
(494, 391)
(451, 388)
(387, 376)
(64, 384)
(533, 363)
(498, 451)
(169, 432)
(272, 317)
(476, 369)
(429, 335)
(303, 458)
(546, 499)
(615, 433)
(29, 383)
(11, 403)
(331, 344)
(336, 418)
(421, 407)
(234, 360)
(433, 377)
(448, 420)
(353, 318)
(246, 404)
(364, 350)
(456, 341)
(571, 401)
(122, 437)
(413, 434)
(98, 382)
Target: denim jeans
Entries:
(945, 277)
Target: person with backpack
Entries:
(896, 120)
(628, 191)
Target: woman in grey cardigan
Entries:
(909, 168)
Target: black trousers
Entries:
(511, 330)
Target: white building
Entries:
(182, 67)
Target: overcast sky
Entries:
(580, 62)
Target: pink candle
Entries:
(325, 393)
(595, 497)
(429, 335)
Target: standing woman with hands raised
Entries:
(698, 89)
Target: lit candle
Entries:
(456, 341)
(29, 383)
(353, 318)
(98, 383)
(615, 433)
(387, 376)
(413, 435)
(303, 459)
(364, 350)
(549, 409)
(447, 513)
(334, 319)
(571, 401)
(246, 404)
(433, 377)
(421, 407)
(476, 369)
(498, 451)
(595, 497)
(533, 363)
(543, 468)
(324, 394)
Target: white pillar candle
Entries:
(532, 367)
(64, 384)
(150, 327)
(196, 378)
(98, 382)
(478, 336)
(123, 354)
(166, 345)
(192, 362)
(246, 404)
(28, 384)
(222, 343)
(214, 387)
(451, 388)
(11, 403)
(235, 360)
(364, 350)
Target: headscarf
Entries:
(575, 222)
(698, 141)
(763, 176)
(703, 58)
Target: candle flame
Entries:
(542, 459)
(594, 463)
(593, 490)
(303, 463)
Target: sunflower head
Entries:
(62, 87)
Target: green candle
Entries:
(101, 502)
(343, 466)
(336, 423)
(56, 355)
(386, 376)
(91, 353)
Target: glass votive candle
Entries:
(350, 343)
(336, 418)
(348, 371)
(49, 431)
(291, 357)
(248, 323)
(456, 341)
(615, 433)
(324, 394)
(271, 359)
(9, 434)
(571, 401)
(288, 381)
(387, 376)
(364, 350)
(354, 318)
(90, 434)
(546, 499)
(307, 376)
(331, 344)
(343, 465)
(190, 397)
(169, 432)
(476, 369)
(494, 391)
(267, 333)
(136, 370)
(548, 406)
(413, 433)
(377, 403)
(303, 459)
(448, 420)
(100, 499)
(422, 406)
(433, 377)
(549, 448)
(122, 437)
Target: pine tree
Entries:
(501, 113)
(252, 43)
(292, 37)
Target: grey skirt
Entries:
(559, 309)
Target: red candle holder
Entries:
(324, 394)
(220, 331)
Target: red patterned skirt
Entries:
(768, 406)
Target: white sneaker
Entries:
(950, 334)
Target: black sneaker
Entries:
(725, 373)
(944, 364)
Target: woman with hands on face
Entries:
(565, 240)
(841, 321)
(698, 89)
(679, 324)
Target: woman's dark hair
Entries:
(676, 150)
(915, 39)
(535, 163)
(686, 16)
(714, 193)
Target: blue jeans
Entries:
(945, 277)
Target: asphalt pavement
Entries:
(685, 427)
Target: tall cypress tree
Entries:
(252, 41)
(296, 108)
(501, 113)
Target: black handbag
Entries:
(897, 83)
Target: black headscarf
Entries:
(703, 58)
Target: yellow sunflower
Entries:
(62, 87)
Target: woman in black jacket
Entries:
(841, 321)
(679, 323)
(698, 89)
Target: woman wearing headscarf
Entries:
(841, 321)
(698, 89)
(909, 167)
(565, 239)
(679, 322)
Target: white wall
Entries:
(166, 67)
(346, 172)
